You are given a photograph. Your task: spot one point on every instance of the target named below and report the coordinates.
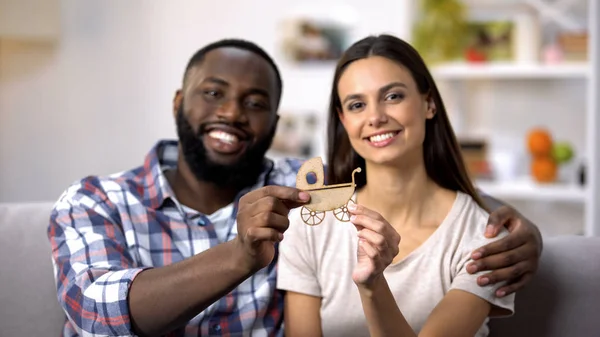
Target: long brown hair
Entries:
(443, 160)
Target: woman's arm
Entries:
(297, 275)
(381, 311)
(459, 314)
(377, 245)
(302, 315)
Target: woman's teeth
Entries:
(223, 136)
(382, 137)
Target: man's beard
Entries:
(239, 175)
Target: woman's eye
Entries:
(394, 96)
(355, 105)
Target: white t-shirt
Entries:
(319, 261)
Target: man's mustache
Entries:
(205, 127)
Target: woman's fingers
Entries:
(371, 251)
(380, 243)
(368, 222)
(363, 217)
(355, 209)
(375, 239)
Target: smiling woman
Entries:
(386, 117)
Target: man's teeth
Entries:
(223, 136)
(382, 137)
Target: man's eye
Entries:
(257, 105)
(212, 93)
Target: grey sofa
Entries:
(562, 301)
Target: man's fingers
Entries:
(272, 220)
(504, 259)
(514, 286)
(508, 274)
(498, 219)
(507, 243)
(256, 235)
(293, 204)
(284, 193)
(269, 204)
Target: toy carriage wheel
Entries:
(342, 213)
(310, 217)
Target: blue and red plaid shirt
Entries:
(106, 230)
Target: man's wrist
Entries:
(242, 259)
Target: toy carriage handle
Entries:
(356, 170)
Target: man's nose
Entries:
(231, 111)
(377, 116)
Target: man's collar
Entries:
(163, 156)
(156, 186)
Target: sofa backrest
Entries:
(563, 299)
(28, 303)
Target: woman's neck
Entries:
(401, 194)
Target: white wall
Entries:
(96, 101)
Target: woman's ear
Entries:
(431, 109)
(340, 115)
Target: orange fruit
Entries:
(544, 169)
(539, 142)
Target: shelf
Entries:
(464, 71)
(525, 189)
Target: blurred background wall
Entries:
(94, 99)
(86, 86)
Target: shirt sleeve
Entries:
(297, 270)
(92, 266)
(502, 306)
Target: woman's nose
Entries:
(377, 116)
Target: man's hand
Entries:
(513, 258)
(261, 220)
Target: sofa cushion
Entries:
(563, 299)
(28, 303)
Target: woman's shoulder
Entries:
(466, 220)
(472, 220)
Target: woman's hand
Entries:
(377, 244)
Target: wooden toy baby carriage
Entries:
(323, 198)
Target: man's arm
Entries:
(96, 275)
(104, 292)
(514, 258)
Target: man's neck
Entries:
(202, 196)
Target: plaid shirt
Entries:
(106, 230)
